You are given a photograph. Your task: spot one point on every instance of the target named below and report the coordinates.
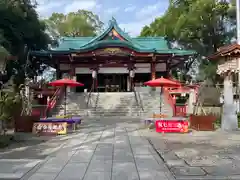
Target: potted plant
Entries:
(204, 113)
(202, 122)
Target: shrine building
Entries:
(117, 61)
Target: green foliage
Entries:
(207, 70)
(81, 23)
(3, 52)
(5, 140)
(20, 28)
(10, 103)
(201, 25)
(10, 106)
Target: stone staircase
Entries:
(114, 104)
(122, 104)
(151, 104)
(76, 104)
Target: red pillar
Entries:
(153, 70)
(72, 70)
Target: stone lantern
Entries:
(228, 58)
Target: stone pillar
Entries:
(153, 71)
(191, 101)
(72, 70)
(229, 116)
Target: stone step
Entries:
(116, 104)
(118, 114)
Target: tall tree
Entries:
(202, 25)
(21, 31)
(80, 23)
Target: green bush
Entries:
(5, 140)
(10, 104)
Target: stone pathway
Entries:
(112, 149)
(20, 158)
(199, 155)
(111, 152)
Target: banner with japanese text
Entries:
(171, 126)
(50, 128)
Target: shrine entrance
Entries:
(112, 82)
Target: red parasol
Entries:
(162, 82)
(65, 82)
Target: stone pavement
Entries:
(199, 155)
(114, 148)
(20, 157)
(104, 151)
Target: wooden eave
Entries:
(229, 50)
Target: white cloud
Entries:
(132, 25)
(150, 10)
(134, 28)
(112, 11)
(45, 6)
(98, 7)
(130, 8)
(80, 4)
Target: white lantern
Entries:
(94, 74)
(183, 94)
(132, 73)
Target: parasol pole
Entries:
(65, 100)
(161, 88)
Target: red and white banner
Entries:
(171, 126)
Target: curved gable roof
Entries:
(112, 26)
(139, 44)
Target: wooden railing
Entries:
(51, 104)
(180, 110)
(140, 101)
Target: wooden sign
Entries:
(112, 52)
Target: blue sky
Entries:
(131, 15)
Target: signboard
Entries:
(172, 126)
(50, 128)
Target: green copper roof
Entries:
(140, 44)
